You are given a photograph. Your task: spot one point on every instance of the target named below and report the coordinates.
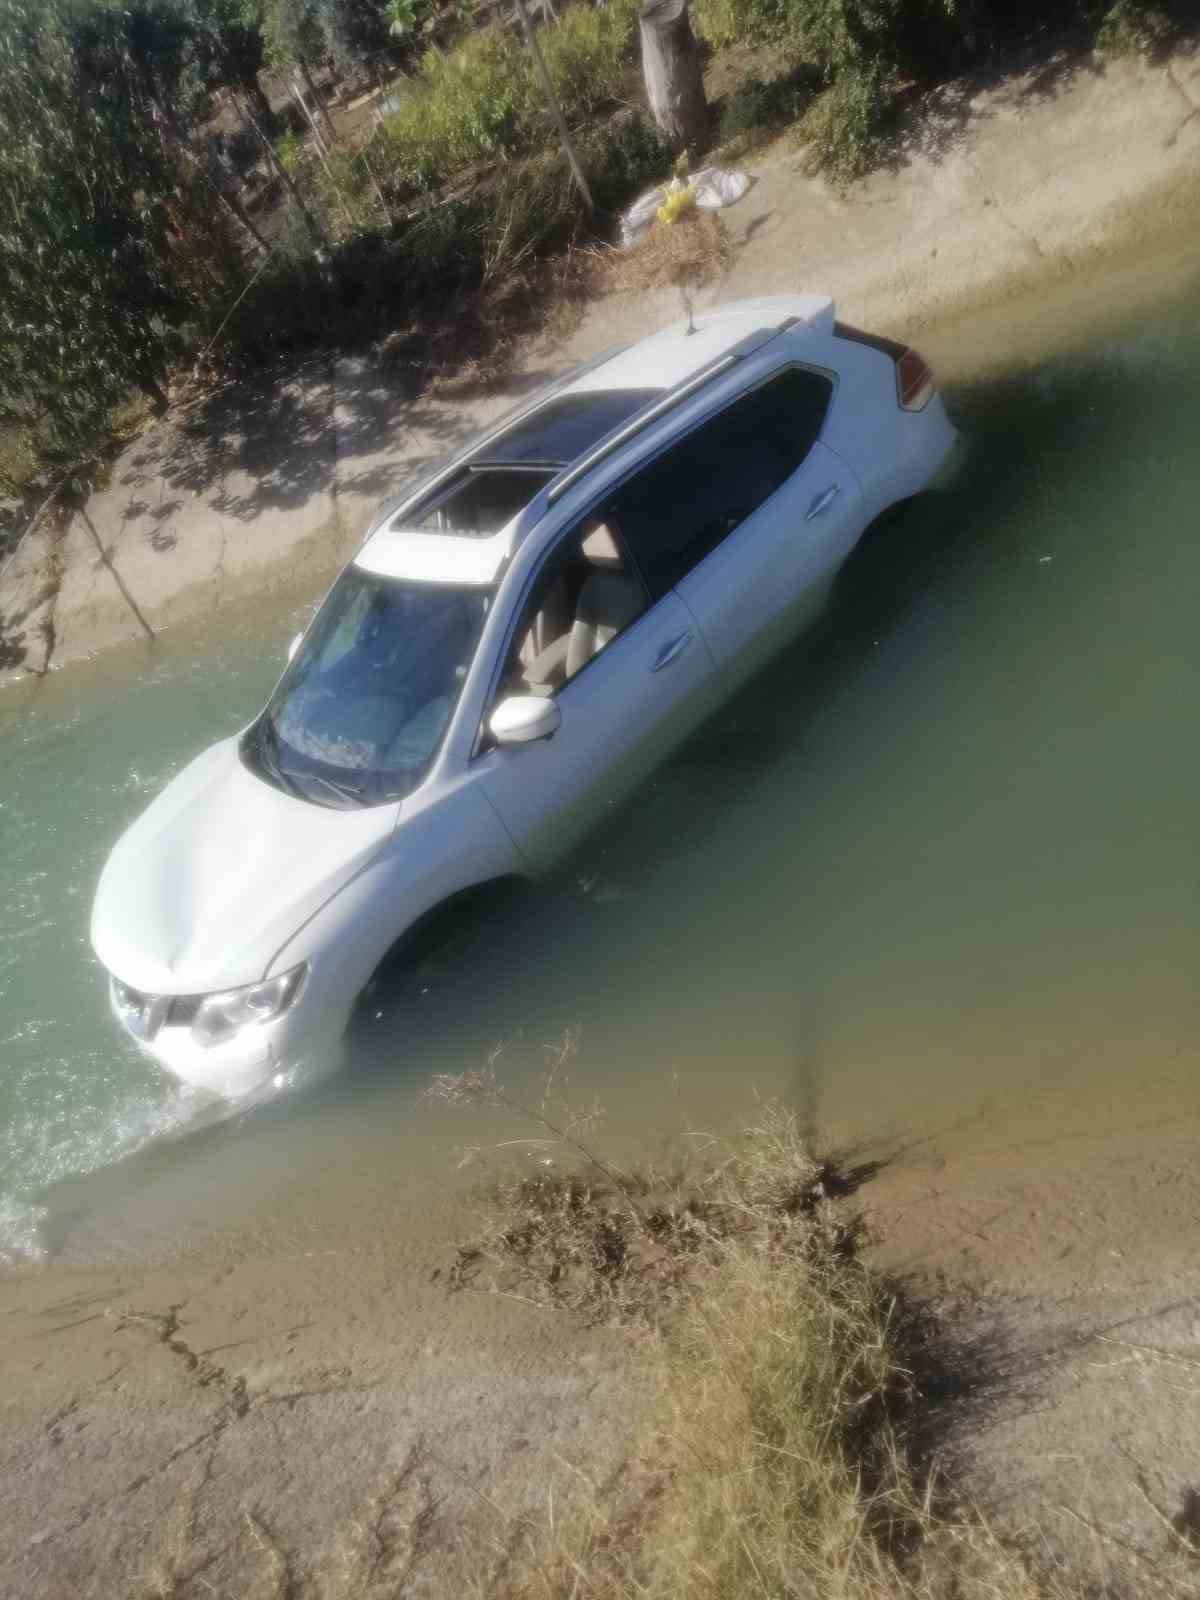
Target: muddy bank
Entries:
(1002, 190)
(1064, 1272)
(331, 1423)
(351, 1422)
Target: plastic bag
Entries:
(712, 189)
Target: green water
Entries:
(938, 869)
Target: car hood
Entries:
(218, 873)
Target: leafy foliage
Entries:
(85, 224)
(1133, 28)
(530, 208)
(355, 32)
(869, 50)
(293, 30)
(761, 104)
(483, 101)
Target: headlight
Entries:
(219, 1016)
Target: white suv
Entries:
(516, 643)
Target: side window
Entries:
(348, 630)
(683, 504)
(587, 593)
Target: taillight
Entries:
(914, 381)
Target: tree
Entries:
(237, 51)
(85, 225)
(671, 67)
(356, 32)
(294, 32)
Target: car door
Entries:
(748, 517)
(622, 711)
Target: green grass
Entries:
(431, 271)
(867, 50)
(482, 100)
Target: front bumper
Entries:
(261, 1056)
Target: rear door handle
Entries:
(823, 501)
(671, 651)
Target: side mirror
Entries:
(524, 719)
(294, 646)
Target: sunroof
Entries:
(566, 428)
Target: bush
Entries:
(758, 105)
(587, 54)
(483, 100)
(463, 108)
(379, 279)
(290, 150)
(722, 23)
(867, 49)
(846, 126)
(923, 40)
(1133, 28)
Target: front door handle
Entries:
(671, 651)
(823, 501)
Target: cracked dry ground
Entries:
(329, 1425)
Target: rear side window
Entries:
(680, 507)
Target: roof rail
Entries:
(659, 408)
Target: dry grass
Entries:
(775, 1459)
(689, 253)
(483, 336)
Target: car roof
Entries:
(560, 428)
(684, 348)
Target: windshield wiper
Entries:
(265, 752)
(344, 791)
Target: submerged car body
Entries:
(516, 643)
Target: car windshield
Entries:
(358, 717)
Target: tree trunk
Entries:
(564, 133)
(316, 232)
(256, 95)
(237, 210)
(317, 99)
(671, 66)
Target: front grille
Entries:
(145, 1015)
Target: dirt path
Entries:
(334, 1424)
(1059, 1248)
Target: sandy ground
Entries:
(1059, 1251)
(336, 1423)
(1004, 188)
(341, 1424)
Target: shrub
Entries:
(846, 126)
(722, 23)
(463, 108)
(290, 150)
(378, 279)
(483, 101)
(1133, 28)
(588, 52)
(756, 105)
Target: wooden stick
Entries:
(539, 63)
(120, 583)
